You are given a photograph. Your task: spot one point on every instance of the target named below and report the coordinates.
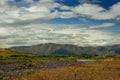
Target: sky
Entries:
(77, 22)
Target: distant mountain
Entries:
(66, 49)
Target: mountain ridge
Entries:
(53, 48)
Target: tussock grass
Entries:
(101, 70)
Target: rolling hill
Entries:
(7, 52)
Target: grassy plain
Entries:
(100, 70)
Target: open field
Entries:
(19, 65)
(101, 70)
(35, 67)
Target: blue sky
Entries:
(78, 22)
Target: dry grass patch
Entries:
(101, 70)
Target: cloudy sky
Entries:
(78, 22)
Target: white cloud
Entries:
(42, 11)
(46, 0)
(104, 25)
(55, 33)
(3, 2)
(29, 33)
(88, 10)
(97, 12)
(3, 31)
(37, 11)
(63, 7)
(66, 14)
(115, 10)
(31, 1)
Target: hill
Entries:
(66, 49)
(7, 52)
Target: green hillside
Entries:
(8, 52)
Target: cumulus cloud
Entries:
(45, 10)
(115, 10)
(37, 11)
(97, 12)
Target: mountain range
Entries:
(68, 49)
